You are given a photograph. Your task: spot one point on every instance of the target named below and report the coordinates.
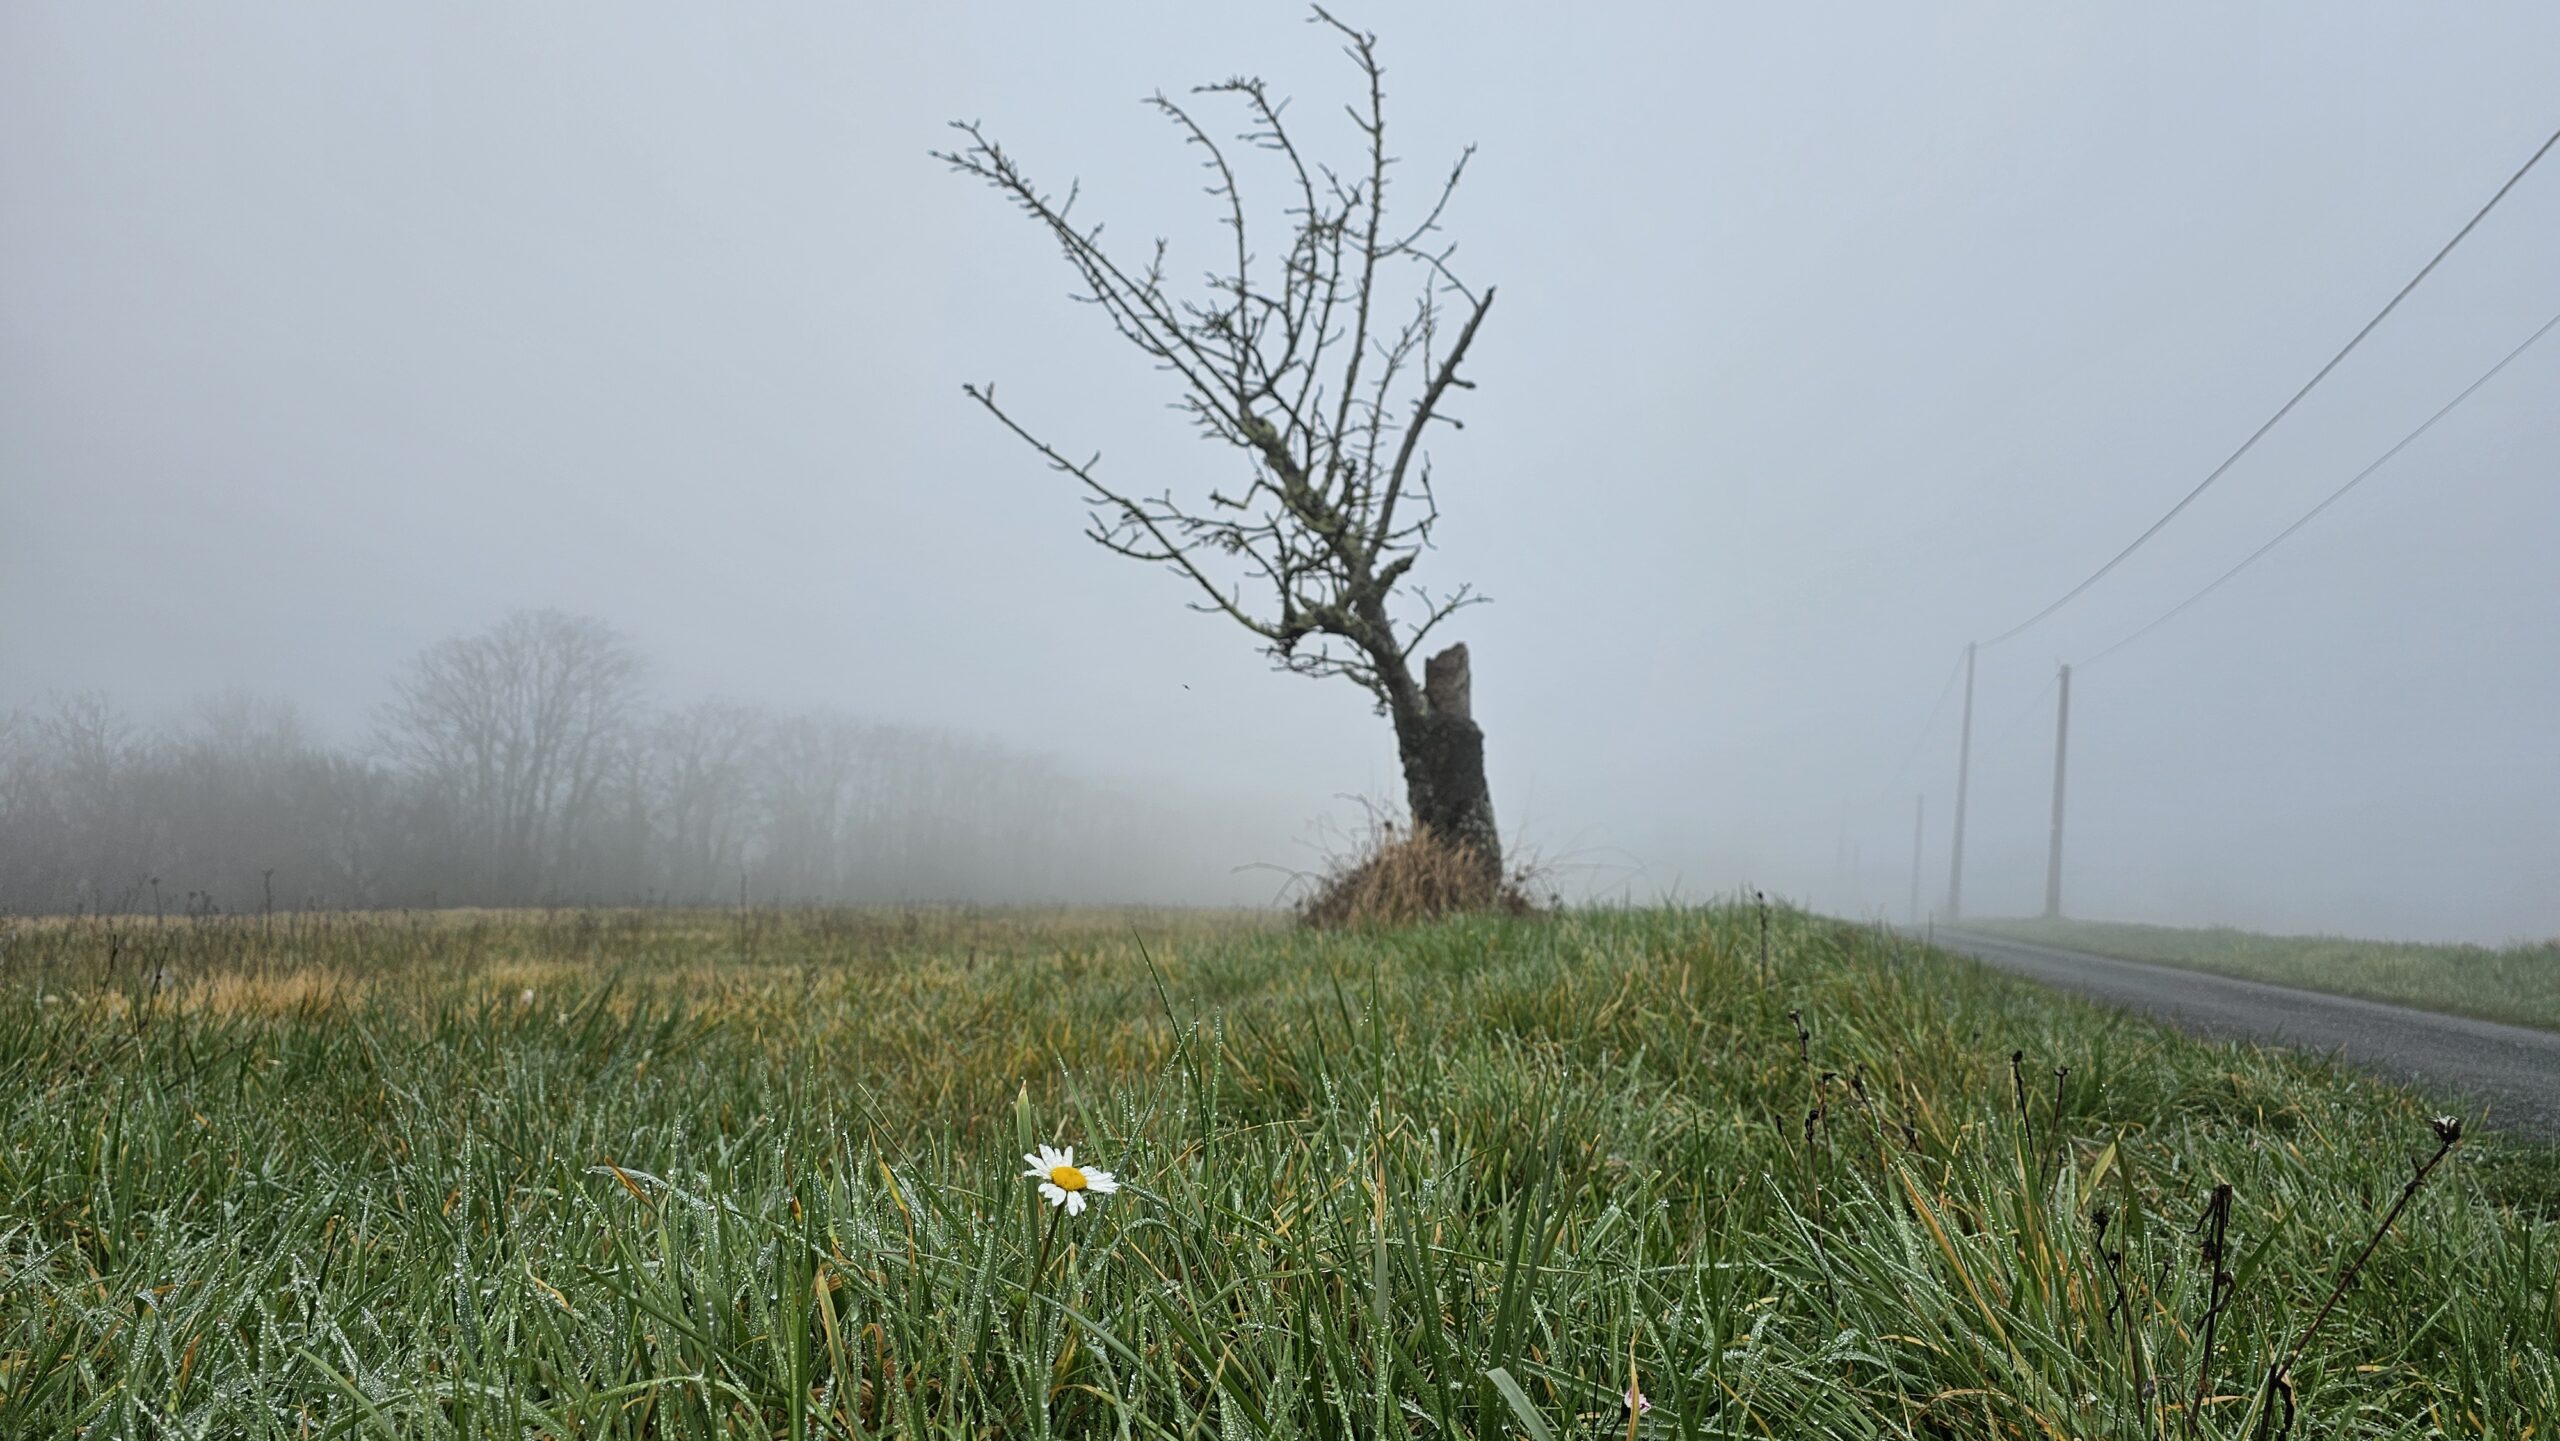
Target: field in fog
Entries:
(2519, 983)
(716, 1173)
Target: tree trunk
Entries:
(1443, 753)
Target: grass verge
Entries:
(696, 1175)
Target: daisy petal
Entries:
(1075, 1203)
(1100, 1182)
(1051, 1194)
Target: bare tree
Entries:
(246, 801)
(703, 757)
(1327, 383)
(808, 782)
(515, 731)
(108, 830)
(236, 805)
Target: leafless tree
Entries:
(108, 828)
(235, 805)
(810, 786)
(243, 788)
(1325, 369)
(701, 758)
(517, 729)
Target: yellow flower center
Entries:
(1066, 1178)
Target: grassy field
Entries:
(703, 1174)
(2518, 983)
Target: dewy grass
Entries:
(725, 1175)
(2518, 983)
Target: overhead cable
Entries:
(2333, 497)
(2287, 408)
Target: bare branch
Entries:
(1424, 411)
(1285, 360)
(1167, 549)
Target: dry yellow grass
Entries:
(1404, 877)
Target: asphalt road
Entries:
(2514, 1069)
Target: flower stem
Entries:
(1040, 1265)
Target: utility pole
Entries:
(2061, 756)
(1919, 829)
(1964, 776)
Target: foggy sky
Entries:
(1827, 339)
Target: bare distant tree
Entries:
(811, 784)
(90, 739)
(515, 732)
(1324, 367)
(108, 831)
(236, 806)
(247, 804)
(703, 760)
(35, 859)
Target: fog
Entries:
(1828, 340)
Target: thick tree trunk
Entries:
(1443, 753)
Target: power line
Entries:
(2385, 459)
(2287, 408)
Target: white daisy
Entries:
(1064, 1183)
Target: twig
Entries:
(2448, 1131)
(2216, 1225)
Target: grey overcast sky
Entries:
(1828, 337)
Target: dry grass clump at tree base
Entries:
(1407, 875)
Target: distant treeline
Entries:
(522, 766)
